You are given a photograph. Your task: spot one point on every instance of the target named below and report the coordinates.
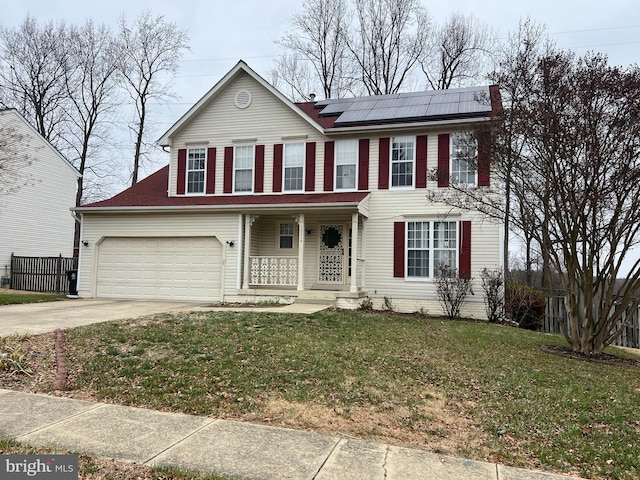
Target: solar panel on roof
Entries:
(411, 105)
(412, 111)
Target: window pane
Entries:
(402, 161)
(418, 263)
(286, 235)
(294, 154)
(418, 249)
(243, 168)
(346, 157)
(464, 152)
(195, 182)
(293, 178)
(345, 176)
(244, 157)
(195, 170)
(243, 181)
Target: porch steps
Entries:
(316, 297)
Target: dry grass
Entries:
(473, 390)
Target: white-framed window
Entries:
(285, 235)
(464, 155)
(293, 167)
(346, 164)
(430, 245)
(196, 161)
(243, 161)
(403, 155)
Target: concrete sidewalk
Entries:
(233, 449)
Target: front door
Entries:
(331, 254)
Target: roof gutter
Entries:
(404, 126)
(227, 208)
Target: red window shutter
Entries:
(310, 168)
(328, 165)
(258, 174)
(484, 169)
(398, 249)
(211, 170)
(464, 254)
(363, 164)
(383, 164)
(277, 167)
(182, 171)
(228, 170)
(443, 160)
(421, 161)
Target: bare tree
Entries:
(292, 76)
(149, 49)
(91, 88)
(14, 157)
(34, 68)
(462, 54)
(569, 148)
(390, 40)
(318, 37)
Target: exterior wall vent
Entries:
(242, 99)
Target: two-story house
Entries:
(267, 199)
(35, 195)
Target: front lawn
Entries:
(10, 297)
(468, 389)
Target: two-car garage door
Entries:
(178, 268)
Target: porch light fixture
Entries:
(85, 243)
(309, 231)
(230, 243)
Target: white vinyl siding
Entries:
(346, 164)
(35, 220)
(243, 164)
(403, 156)
(401, 205)
(267, 119)
(293, 167)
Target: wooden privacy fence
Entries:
(556, 313)
(41, 274)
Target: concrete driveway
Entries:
(47, 316)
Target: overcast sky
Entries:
(223, 32)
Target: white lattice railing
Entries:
(360, 273)
(273, 271)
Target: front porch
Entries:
(303, 257)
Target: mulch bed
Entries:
(605, 358)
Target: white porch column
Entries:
(301, 235)
(248, 222)
(354, 252)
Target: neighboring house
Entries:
(264, 199)
(35, 219)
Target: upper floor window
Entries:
(430, 246)
(243, 168)
(464, 154)
(346, 161)
(196, 159)
(293, 167)
(403, 155)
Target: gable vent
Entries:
(242, 99)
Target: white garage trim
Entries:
(176, 268)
